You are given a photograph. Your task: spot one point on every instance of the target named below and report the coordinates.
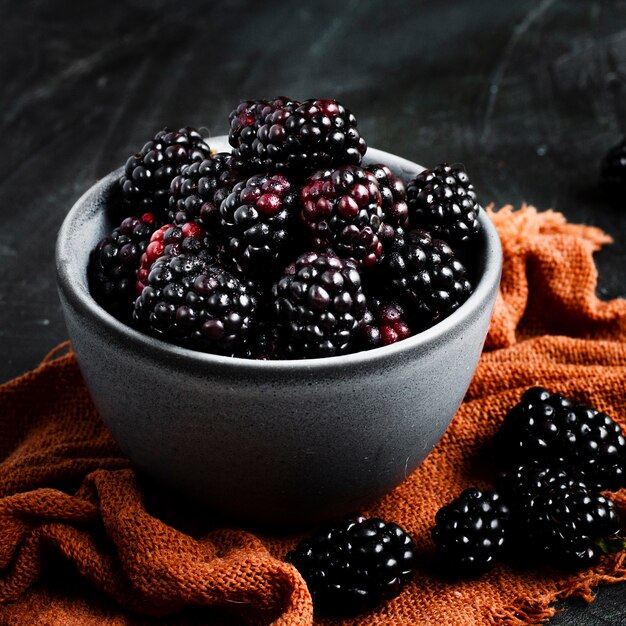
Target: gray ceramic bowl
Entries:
(272, 441)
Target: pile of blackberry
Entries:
(335, 255)
(556, 457)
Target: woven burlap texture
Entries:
(81, 541)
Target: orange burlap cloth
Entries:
(82, 542)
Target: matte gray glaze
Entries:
(278, 441)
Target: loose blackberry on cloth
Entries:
(83, 541)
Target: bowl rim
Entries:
(72, 283)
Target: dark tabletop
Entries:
(528, 94)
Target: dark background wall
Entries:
(528, 94)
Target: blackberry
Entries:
(528, 481)
(342, 209)
(318, 306)
(558, 517)
(114, 262)
(425, 276)
(472, 532)
(244, 123)
(443, 201)
(148, 174)
(317, 134)
(355, 565)
(286, 135)
(613, 168)
(382, 325)
(196, 194)
(171, 240)
(548, 428)
(197, 306)
(258, 219)
(393, 195)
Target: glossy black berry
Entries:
(245, 121)
(355, 565)
(297, 137)
(442, 201)
(557, 518)
(196, 194)
(115, 261)
(196, 305)
(318, 305)
(472, 532)
(425, 276)
(556, 431)
(258, 221)
(148, 174)
(342, 209)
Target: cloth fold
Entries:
(83, 542)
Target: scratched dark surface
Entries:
(529, 95)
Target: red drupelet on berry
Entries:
(148, 174)
(318, 306)
(114, 262)
(443, 201)
(355, 565)
(258, 220)
(553, 430)
(197, 306)
(245, 121)
(171, 240)
(425, 276)
(196, 194)
(342, 209)
(382, 325)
